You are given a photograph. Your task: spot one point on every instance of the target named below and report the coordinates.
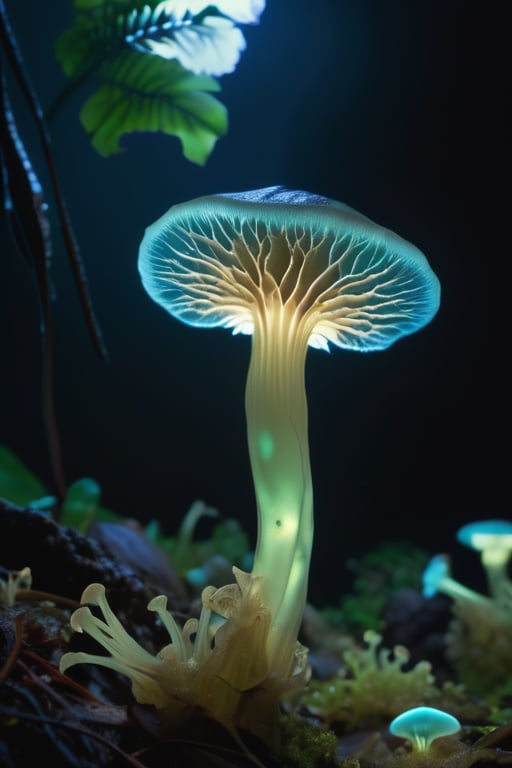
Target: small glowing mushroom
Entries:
(422, 725)
(437, 579)
(295, 270)
(493, 539)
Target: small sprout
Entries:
(16, 580)
(421, 725)
(81, 505)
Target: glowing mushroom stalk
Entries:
(294, 270)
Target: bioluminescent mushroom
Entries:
(421, 725)
(295, 270)
(479, 640)
(493, 539)
(437, 579)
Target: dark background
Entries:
(395, 108)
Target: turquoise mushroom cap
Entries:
(436, 572)
(220, 260)
(493, 538)
(421, 725)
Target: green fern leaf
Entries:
(145, 93)
(139, 92)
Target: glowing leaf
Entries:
(154, 90)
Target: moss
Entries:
(306, 745)
(372, 686)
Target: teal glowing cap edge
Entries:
(494, 528)
(279, 205)
(422, 725)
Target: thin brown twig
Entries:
(39, 595)
(53, 671)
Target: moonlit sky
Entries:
(390, 107)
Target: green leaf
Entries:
(17, 483)
(94, 38)
(81, 507)
(147, 93)
(121, 4)
(76, 47)
(81, 504)
(140, 92)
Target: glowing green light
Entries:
(266, 445)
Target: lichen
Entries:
(479, 646)
(371, 686)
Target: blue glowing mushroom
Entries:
(294, 270)
(437, 579)
(421, 725)
(493, 539)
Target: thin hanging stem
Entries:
(27, 212)
(26, 207)
(15, 59)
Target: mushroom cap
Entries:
(492, 537)
(421, 725)
(484, 533)
(219, 259)
(436, 571)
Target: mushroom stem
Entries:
(277, 429)
(498, 582)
